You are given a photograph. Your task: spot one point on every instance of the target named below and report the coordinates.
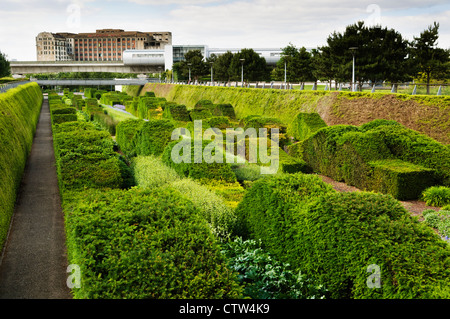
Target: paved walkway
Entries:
(34, 262)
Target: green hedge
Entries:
(153, 136)
(126, 135)
(19, 112)
(85, 159)
(177, 113)
(305, 124)
(334, 237)
(140, 244)
(199, 171)
(224, 109)
(346, 153)
(347, 232)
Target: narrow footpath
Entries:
(34, 261)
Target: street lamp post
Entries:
(353, 49)
(242, 72)
(212, 79)
(189, 65)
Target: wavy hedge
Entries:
(382, 156)
(334, 238)
(19, 112)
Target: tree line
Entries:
(381, 55)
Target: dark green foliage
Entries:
(200, 114)
(334, 237)
(204, 104)
(437, 196)
(198, 168)
(347, 232)
(106, 122)
(220, 122)
(150, 94)
(61, 118)
(139, 244)
(305, 124)
(153, 137)
(224, 110)
(344, 153)
(126, 135)
(85, 159)
(149, 107)
(176, 112)
(404, 181)
(19, 112)
(265, 277)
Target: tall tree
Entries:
(297, 63)
(5, 69)
(222, 71)
(381, 54)
(194, 61)
(429, 60)
(255, 66)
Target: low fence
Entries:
(6, 86)
(404, 88)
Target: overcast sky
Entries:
(218, 24)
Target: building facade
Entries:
(103, 45)
(54, 46)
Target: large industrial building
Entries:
(133, 48)
(103, 45)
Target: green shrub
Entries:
(61, 118)
(195, 167)
(151, 173)
(126, 135)
(437, 196)
(344, 233)
(204, 104)
(200, 114)
(212, 207)
(334, 237)
(140, 244)
(153, 137)
(265, 277)
(404, 181)
(177, 113)
(86, 159)
(19, 113)
(305, 124)
(220, 122)
(345, 153)
(106, 122)
(224, 110)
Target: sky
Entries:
(217, 24)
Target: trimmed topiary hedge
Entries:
(336, 237)
(350, 154)
(126, 135)
(305, 124)
(138, 244)
(153, 136)
(19, 113)
(176, 112)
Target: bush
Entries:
(139, 244)
(224, 110)
(85, 159)
(345, 233)
(177, 113)
(153, 136)
(19, 113)
(151, 173)
(404, 181)
(437, 196)
(351, 154)
(212, 207)
(106, 122)
(197, 169)
(126, 135)
(305, 124)
(265, 277)
(200, 114)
